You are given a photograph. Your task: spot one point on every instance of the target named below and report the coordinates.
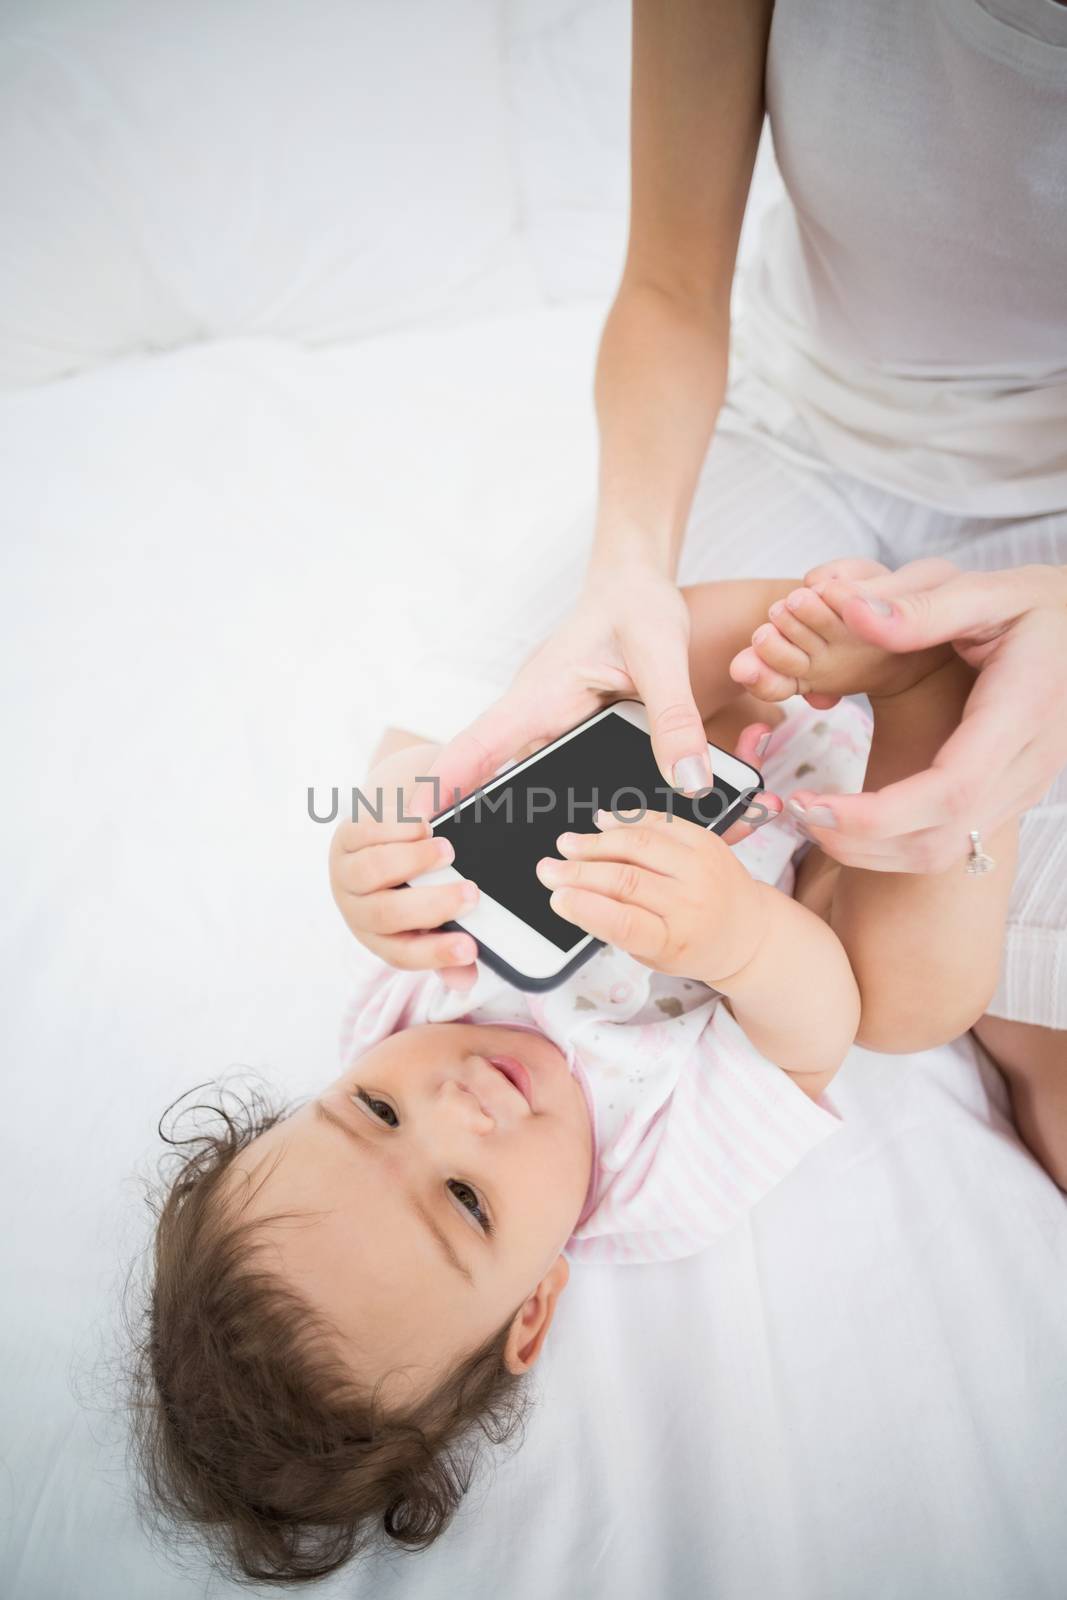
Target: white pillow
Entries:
(315, 169)
(568, 68)
(568, 65)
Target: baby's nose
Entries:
(467, 1105)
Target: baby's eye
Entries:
(372, 1103)
(476, 1209)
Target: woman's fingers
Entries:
(656, 651)
(850, 569)
(514, 721)
(752, 742)
(762, 808)
(972, 605)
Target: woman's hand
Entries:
(669, 892)
(1011, 626)
(626, 638)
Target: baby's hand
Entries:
(370, 860)
(667, 891)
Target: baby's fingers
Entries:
(388, 866)
(452, 954)
(641, 933)
(407, 910)
(358, 834)
(618, 880)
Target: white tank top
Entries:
(909, 294)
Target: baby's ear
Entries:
(533, 1319)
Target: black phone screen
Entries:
(500, 834)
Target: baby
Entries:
(345, 1293)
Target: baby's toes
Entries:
(779, 653)
(815, 613)
(758, 678)
(791, 626)
(831, 600)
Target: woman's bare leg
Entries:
(1034, 1062)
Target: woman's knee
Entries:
(1034, 1062)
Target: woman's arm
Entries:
(696, 115)
(697, 111)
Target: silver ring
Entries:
(977, 860)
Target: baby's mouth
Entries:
(515, 1073)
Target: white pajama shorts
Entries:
(766, 505)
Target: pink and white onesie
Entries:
(692, 1126)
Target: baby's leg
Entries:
(722, 617)
(925, 948)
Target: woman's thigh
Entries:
(1033, 985)
(756, 514)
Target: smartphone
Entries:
(501, 831)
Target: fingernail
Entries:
(879, 607)
(462, 950)
(445, 850)
(469, 893)
(761, 744)
(744, 674)
(777, 608)
(798, 810)
(821, 817)
(550, 871)
(693, 772)
(566, 841)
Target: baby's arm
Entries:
(676, 898)
(796, 997)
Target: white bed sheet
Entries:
(207, 563)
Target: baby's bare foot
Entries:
(805, 648)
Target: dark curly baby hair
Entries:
(250, 1435)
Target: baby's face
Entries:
(396, 1174)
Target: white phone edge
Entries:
(500, 930)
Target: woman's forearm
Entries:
(660, 380)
